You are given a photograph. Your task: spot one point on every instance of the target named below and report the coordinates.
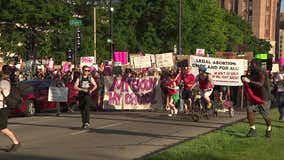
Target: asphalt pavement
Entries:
(112, 135)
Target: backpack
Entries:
(14, 99)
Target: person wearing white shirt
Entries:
(5, 88)
(279, 80)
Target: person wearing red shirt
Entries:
(172, 92)
(203, 79)
(189, 80)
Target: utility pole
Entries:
(111, 27)
(95, 33)
(179, 27)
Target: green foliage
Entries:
(141, 25)
(230, 143)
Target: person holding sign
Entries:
(260, 98)
(204, 81)
(85, 84)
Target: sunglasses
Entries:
(87, 70)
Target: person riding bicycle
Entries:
(205, 84)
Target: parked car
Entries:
(34, 94)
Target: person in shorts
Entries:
(188, 80)
(5, 88)
(259, 83)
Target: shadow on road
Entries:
(15, 156)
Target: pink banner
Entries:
(281, 61)
(120, 57)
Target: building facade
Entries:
(261, 14)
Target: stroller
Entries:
(222, 106)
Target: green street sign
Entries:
(75, 22)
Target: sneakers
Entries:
(251, 133)
(14, 147)
(86, 126)
(170, 115)
(268, 133)
(58, 114)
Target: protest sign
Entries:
(66, 66)
(200, 52)
(164, 60)
(153, 59)
(132, 93)
(142, 62)
(275, 68)
(120, 57)
(87, 61)
(225, 72)
(57, 94)
(131, 57)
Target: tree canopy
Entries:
(143, 25)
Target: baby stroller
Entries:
(222, 106)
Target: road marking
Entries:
(106, 126)
(110, 125)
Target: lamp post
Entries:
(111, 9)
(179, 27)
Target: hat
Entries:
(202, 68)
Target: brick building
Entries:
(261, 14)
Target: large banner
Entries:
(132, 94)
(225, 72)
(164, 60)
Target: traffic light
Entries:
(69, 55)
(78, 39)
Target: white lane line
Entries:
(106, 126)
(110, 125)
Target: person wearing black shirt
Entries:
(85, 84)
(259, 84)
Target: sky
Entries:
(282, 6)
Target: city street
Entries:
(113, 135)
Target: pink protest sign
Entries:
(66, 67)
(281, 61)
(50, 64)
(120, 57)
(200, 52)
(87, 61)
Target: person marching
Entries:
(260, 98)
(85, 84)
(5, 89)
(203, 79)
(173, 94)
(189, 80)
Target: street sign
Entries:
(75, 22)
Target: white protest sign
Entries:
(57, 94)
(275, 68)
(142, 62)
(226, 72)
(164, 60)
(87, 61)
(200, 52)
